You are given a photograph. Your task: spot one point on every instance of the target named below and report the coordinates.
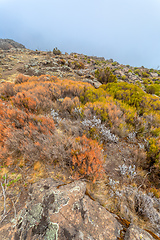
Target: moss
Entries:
(34, 214)
(52, 231)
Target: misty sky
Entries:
(126, 30)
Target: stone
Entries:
(135, 233)
(62, 211)
(154, 75)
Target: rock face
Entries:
(6, 44)
(57, 211)
(134, 233)
(62, 212)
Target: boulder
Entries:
(63, 212)
(135, 233)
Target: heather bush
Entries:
(151, 89)
(153, 151)
(23, 135)
(21, 79)
(87, 159)
(105, 75)
(56, 51)
(145, 74)
(76, 65)
(137, 72)
(124, 77)
(7, 90)
(96, 130)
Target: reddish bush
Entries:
(87, 159)
(21, 79)
(26, 101)
(7, 90)
(24, 135)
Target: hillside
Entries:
(83, 122)
(6, 44)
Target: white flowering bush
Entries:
(105, 133)
(128, 170)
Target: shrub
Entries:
(151, 89)
(61, 61)
(137, 72)
(78, 65)
(7, 90)
(145, 74)
(21, 79)
(87, 159)
(147, 81)
(56, 51)
(24, 135)
(105, 75)
(124, 77)
(153, 151)
(114, 63)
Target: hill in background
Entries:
(6, 44)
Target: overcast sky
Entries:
(126, 30)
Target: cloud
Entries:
(126, 31)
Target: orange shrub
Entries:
(7, 90)
(87, 159)
(21, 79)
(24, 135)
(25, 101)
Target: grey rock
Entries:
(58, 211)
(79, 72)
(93, 82)
(135, 233)
(154, 74)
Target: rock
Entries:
(93, 82)
(79, 72)
(7, 44)
(154, 75)
(135, 233)
(64, 212)
(66, 69)
(89, 76)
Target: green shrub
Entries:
(124, 77)
(105, 75)
(145, 74)
(114, 63)
(151, 89)
(153, 151)
(147, 81)
(137, 72)
(56, 51)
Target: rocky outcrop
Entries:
(135, 233)
(57, 211)
(6, 44)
